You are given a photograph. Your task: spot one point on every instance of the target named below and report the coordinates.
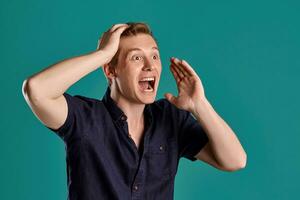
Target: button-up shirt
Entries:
(103, 162)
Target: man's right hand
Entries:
(43, 91)
(109, 41)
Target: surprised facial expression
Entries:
(138, 69)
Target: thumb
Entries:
(170, 97)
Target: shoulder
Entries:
(86, 99)
(162, 104)
(82, 103)
(81, 99)
(165, 107)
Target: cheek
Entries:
(129, 74)
(159, 68)
(158, 64)
(128, 78)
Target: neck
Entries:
(133, 111)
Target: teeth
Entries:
(149, 90)
(147, 79)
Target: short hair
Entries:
(134, 28)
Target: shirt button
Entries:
(124, 118)
(161, 148)
(136, 187)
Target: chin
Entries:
(147, 98)
(150, 101)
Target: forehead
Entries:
(141, 42)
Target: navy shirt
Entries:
(103, 161)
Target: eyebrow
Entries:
(138, 49)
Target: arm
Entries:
(43, 91)
(223, 150)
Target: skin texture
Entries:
(189, 85)
(133, 65)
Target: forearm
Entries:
(225, 145)
(53, 81)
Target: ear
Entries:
(109, 71)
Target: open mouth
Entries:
(147, 84)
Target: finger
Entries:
(176, 62)
(178, 71)
(114, 27)
(175, 74)
(182, 69)
(188, 68)
(185, 67)
(171, 98)
(120, 30)
(119, 26)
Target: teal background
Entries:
(245, 52)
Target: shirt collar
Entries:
(116, 112)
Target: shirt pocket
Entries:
(173, 156)
(162, 162)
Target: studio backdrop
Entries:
(245, 52)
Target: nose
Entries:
(148, 66)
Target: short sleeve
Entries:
(73, 125)
(192, 137)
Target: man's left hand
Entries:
(189, 85)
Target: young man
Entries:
(127, 145)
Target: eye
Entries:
(135, 58)
(155, 57)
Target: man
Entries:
(127, 145)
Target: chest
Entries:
(136, 135)
(115, 151)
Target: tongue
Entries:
(144, 85)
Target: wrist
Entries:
(103, 57)
(201, 107)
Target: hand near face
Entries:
(189, 85)
(109, 40)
